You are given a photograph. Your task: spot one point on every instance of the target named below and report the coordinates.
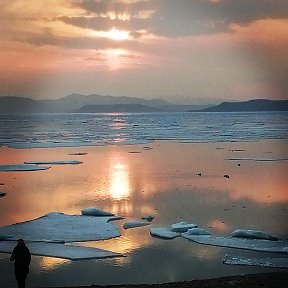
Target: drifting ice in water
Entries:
(95, 212)
(134, 224)
(164, 232)
(65, 162)
(22, 167)
(71, 252)
(58, 227)
(265, 262)
(182, 227)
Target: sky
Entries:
(183, 51)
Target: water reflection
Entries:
(164, 182)
(119, 183)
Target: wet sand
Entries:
(263, 280)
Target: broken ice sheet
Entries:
(64, 162)
(22, 167)
(71, 252)
(182, 227)
(57, 227)
(240, 243)
(164, 232)
(265, 262)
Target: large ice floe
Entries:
(71, 252)
(64, 162)
(265, 262)
(48, 234)
(22, 167)
(59, 227)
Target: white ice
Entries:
(253, 234)
(164, 232)
(57, 227)
(241, 243)
(265, 262)
(134, 224)
(71, 252)
(182, 227)
(95, 212)
(64, 162)
(197, 231)
(22, 167)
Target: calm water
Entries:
(161, 181)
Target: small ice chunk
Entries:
(95, 212)
(182, 227)
(264, 262)
(148, 218)
(22, 167)
(114, 218)
(65, 162)
(253, 234)
(134, 224)
(240, 243)
(2, 194)
(198, 231)
(71, 252)
(78, 154)
(164, 232)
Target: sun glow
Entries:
(118, 35)
(120, 188)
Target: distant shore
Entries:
(262, 280)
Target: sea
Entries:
(131, 169)
(56, 130)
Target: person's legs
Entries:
(21, 280)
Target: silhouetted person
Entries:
(22, 258)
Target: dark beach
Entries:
(262, 280)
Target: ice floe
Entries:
(198, 231)
(2, 194)
(59, 227)
(265, 262)
(164, 232)
(22, 167)
(71, 252)
(134, 224)
(240, 243)
(182, 227)
(95, 212)
(253, 234)
(65, 162)
(78, 154)
(148, 218)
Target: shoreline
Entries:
(259, 280)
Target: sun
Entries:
(118, 35)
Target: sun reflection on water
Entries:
(119, 185)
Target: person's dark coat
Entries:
(22, 258)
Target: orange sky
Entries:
(178, 50)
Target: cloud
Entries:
(175, 18)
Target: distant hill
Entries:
(252, 105)
(116, 108)
(11, 104)
(81, 103)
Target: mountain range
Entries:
(94, 103)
